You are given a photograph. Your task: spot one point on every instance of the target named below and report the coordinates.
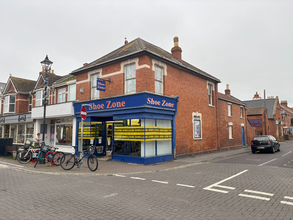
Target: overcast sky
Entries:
(246, 44)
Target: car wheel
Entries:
(273, 150)
(253, 151)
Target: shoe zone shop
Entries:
(137, 128)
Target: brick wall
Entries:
(21, 103)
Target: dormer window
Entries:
(39, 95)
(9, 104)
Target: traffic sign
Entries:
(83, 113)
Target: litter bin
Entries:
(5, 142)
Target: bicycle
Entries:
(68, 161)
(27, 154)
(44, 149)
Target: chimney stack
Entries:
(176, 50)
(256, 96)
(125, 42)
(227, 91)
(284, 103)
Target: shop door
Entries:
(103, 138)
(243, 136)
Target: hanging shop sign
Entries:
(148, 133)
(101, 85)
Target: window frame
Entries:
(159, 81)
(62, 94)
(229, 109)
(94, 86)
(126, 79)
(230, 130)
(6, 106)
(69, 92)
(39, 99)
(241, 111)
(210, 94)
(30, 103)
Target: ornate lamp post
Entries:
(46, 64)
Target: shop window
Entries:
(229, 109)
(39, 95)
(61, 95)
(241, 112)
(197, 126)
(158, 80)
(30, 132)
(94, 92)
(164, 147)
(143, 138)
(72, 92)
(6, 131)
(230, 130)
(9, 104)
(130, 78)
(30, 102)
(21, 133)
(210, 93)
(13, 132)
(1, 131)
(64, 134)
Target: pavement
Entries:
(108, 167)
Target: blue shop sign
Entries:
(101, 85)
(130, 101)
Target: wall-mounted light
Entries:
(81, 90)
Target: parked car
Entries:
(264, 143)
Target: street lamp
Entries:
(46, 64)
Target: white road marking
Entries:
(157, 181)
(254, 197)
(227, 187)
(267, 162)
(2, 165)
(107, 196)
(286, 153)
(258, 192)
(11, 164)
(118, 175)
(287, 203)
(137, 178)
(185, 185)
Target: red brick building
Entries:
(265, 115)
(139, 67)
(234, 130)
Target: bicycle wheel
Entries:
(40, 155)
(67, 161)
(24, 157)
(92, 163)
(58, 161)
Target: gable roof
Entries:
(138, 46)
(51, 77)
(271, 105)
(20, 85)
(230, 98)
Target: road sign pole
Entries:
(83, 114)
(81, 147)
